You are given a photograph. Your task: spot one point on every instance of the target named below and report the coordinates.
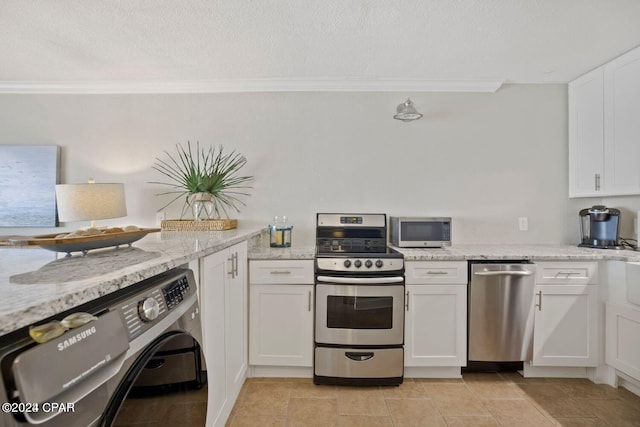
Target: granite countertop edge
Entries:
(171, 249)
(174, 249)
(471, 252)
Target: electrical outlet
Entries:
(523, 223)
(159, 218)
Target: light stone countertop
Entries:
(36, 283)
(517, 252)
(470, 252)
(265, 252)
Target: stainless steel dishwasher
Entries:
(501, 302)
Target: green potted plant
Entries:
(207, 178)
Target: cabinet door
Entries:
(623, 342)
(213, 269)
(223, 304)
(622, 124)
(236, 331)
(586, 135)
(436, 325)
(565, 328)
(281, 325)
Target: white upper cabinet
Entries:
(586, 134)
(604, 130)
(622, 124)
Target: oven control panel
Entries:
(363, 265)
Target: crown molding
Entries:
(248, 85)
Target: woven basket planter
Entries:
(201, 225)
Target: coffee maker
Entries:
(599, 227)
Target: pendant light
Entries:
(407, 112)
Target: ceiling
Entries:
(307, 43)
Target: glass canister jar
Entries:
(280, 233)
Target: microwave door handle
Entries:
(361, 280)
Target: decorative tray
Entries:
(59, 243)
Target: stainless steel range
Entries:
(359, 302)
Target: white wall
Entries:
(484, 159)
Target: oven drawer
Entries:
(359, 363)
(281, 272)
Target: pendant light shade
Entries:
(407, 112)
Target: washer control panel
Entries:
(175, 292)
(141, 311)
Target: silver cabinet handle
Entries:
(236, 265)
(233, 272)
(436, 272)
(280, 272)
(406, 304)
(230, 272)
(309, 305)
(567, 273)
(597, 183)
(539, 304)
(503, 273)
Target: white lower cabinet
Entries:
(436, 314)
(623, 338)
(223, 304)
(436, 325)
(566, 315)
(281, 319)
(281, 313)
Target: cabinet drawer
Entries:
(274, 272)
(567, 273)
(437, 273)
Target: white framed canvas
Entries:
(28, 178)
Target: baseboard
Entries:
(432, 372)
(629, 383)
(553, 371)
(280, 371)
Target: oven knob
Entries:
(379, 263)
(148, 309)
(347, 263)
(357, 263)
(368, 263)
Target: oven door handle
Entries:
(361, 280)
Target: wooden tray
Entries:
(201, 225)
(84, 243)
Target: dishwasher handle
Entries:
(504, 273)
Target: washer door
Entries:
(166, 385)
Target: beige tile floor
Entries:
(478, 399)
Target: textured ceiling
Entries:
(517, 41)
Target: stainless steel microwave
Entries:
(420, 232)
